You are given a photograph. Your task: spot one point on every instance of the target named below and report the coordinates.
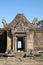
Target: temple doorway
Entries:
(20, 44)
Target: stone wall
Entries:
(30, 40)
(38, 40)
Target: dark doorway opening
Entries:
(3, 42)
(20, 43)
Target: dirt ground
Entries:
(21, 61)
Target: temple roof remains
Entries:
(20, 18)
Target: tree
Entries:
(40, 23)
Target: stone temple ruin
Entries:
(20, 32)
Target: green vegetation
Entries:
(40, 23)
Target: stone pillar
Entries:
(33, 40)
(26, 39)
(12, 31)
(15, 44)
(25, 43)
(7, 44)
(7, 49)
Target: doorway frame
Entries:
(20, 34)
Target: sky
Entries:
(30, 8)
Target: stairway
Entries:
(20, 54)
